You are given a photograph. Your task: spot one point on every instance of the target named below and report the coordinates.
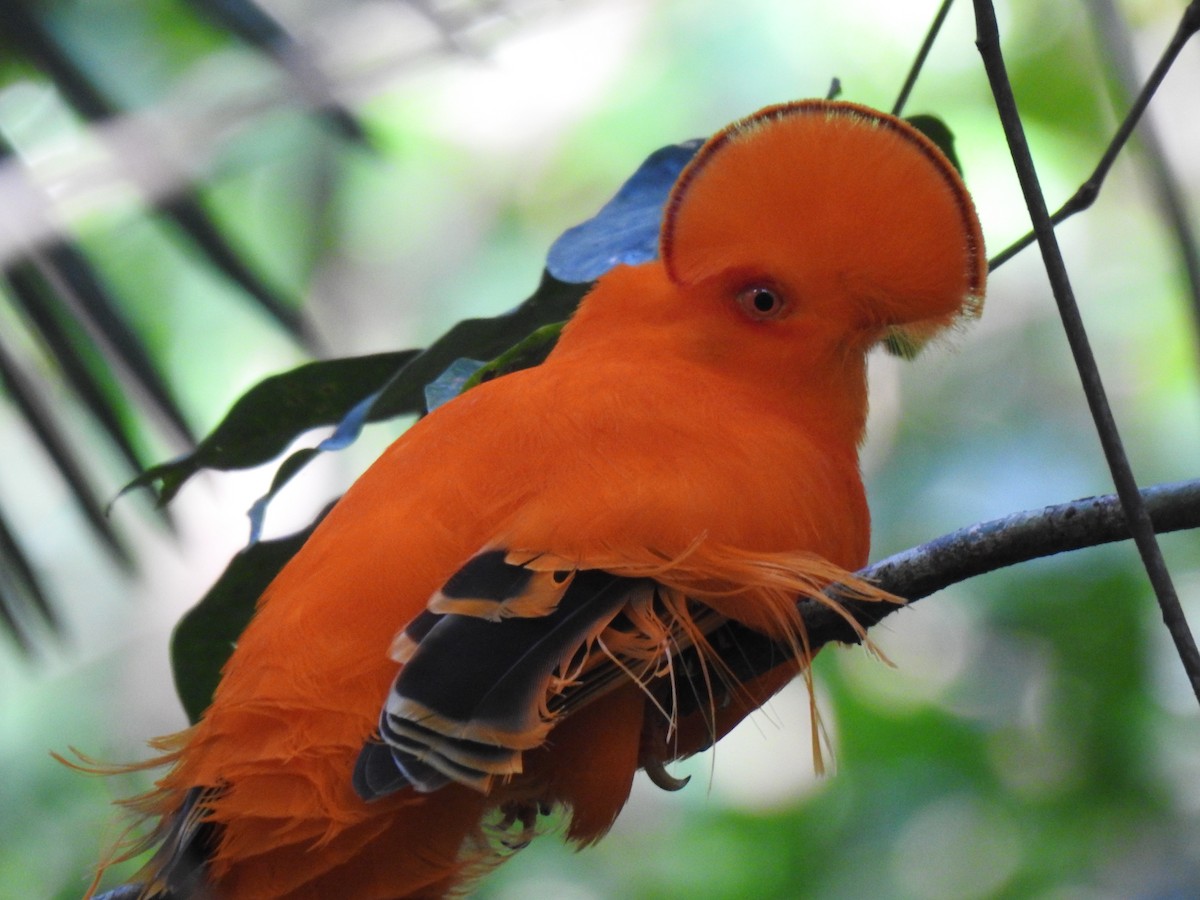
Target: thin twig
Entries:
(922, 54)
(1189, 24)
(1113, 32)
(988, 41)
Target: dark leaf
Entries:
(206, 636)
(404, 393)
(343, 436)
(18, 568)
(530, 352)
(552, 302)
(118, 336)
(90, 382)
(9, 617)
(23, 34)
(254, 25)
(464, 374)
(938, 132)
(274, 412)
(20, 591)
(287, 470)
(42, 421)
(66, 301)
(21, 29)
(187, 213)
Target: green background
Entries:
(1035, 737)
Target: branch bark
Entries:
(955, 557)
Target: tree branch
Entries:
(966, 553)
(1142, 531)
(1083, 198)
(922, 55)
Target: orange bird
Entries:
(488, 625)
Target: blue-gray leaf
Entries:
(450, 383)
(626, 230)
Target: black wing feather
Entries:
(468, 700)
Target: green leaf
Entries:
(404, 393)
(464, 374)
(207, 634)
(205, 637)
(274, 412)
(938, 132)
(530, 352)
(488, 338)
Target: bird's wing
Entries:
(505, 634)
(513, 641)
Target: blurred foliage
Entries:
(70, 318)
(1034, 739)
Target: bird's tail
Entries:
(231, 841)
(136, 839)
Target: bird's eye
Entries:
(761, 302)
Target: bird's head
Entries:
(826, 217)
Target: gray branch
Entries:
(1016, 538)
(971, 551)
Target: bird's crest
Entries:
(860, 198)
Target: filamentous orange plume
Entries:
(488, 625)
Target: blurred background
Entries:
(387, 168)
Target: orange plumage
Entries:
(469, 636)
